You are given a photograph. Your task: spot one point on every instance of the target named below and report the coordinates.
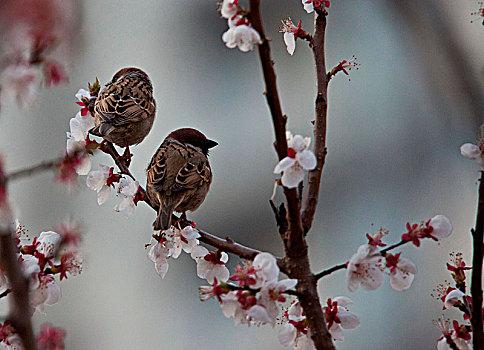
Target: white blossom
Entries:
(97, 180)
(339, 317)
(299, 159)
(242, 36)
(229, 8)
(127, 191)
(365, 268)
(76, 139)
(442, 228)
(471, 151)
(48, 243)
(159, 254)
(82, 93)
(185, 239)
(402, 273)
(47, 292)
(210, 265)
(453, 298)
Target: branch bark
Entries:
(272, 96)
(476, 279)
(314, 176)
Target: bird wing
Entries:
(187, 168)
(125, 101)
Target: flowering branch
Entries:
(476, 284)
(343, 266)
(20, 309)
(224, 244)
(314, 176)
(33, 170)
(296, 249)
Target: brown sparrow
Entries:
(125, 109)
(179, 174)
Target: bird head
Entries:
(131, 72)
(194, 138)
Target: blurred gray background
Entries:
(393, 156)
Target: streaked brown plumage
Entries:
(179, 174)
(125, 109)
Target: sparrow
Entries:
(124, 110)
(179, 175)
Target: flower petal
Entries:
(292, 176)
(470, 151)
(290, 42)
(307, 159)
(284, 164)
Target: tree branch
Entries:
(476, 279)
(20, 311)
(33, 170)
(296, 249)
(314, 176)
(272, 96)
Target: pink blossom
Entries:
(51, 338)
(20, 82)
(47, 292)
(438, 227)
(54, 73)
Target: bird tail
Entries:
(163, 220)
(102, 129)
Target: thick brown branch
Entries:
(272, 96)
(476, 279)
(314, 176)
(20, 311)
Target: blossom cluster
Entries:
(32, 31)
(80, 148)
(368, 265)
(48, 255)
(240, 33)
(298, 159)
(455, 297)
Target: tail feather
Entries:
(163, 220)
(102, 129)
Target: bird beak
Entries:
(210, 143)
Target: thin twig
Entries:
(476, 279)
(20, 312)
(343, 266)
(33, 170)
(321, 107)
(5, 293)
